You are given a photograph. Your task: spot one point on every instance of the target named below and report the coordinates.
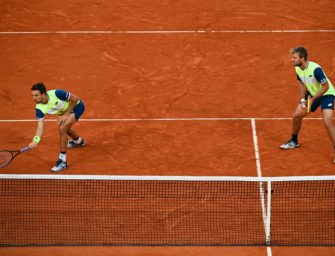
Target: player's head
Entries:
(38, 92)
(299, 55)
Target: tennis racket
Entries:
(7, 156)
(308, 104)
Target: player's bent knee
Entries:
(297, 116)
(63, 128)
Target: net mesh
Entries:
(164, 212)
(5, 158)
(303, 212)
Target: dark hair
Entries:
(39, 87)
(302, 51)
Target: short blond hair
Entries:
(302, 51)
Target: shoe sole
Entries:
(60, 169)
(283, 147)
(77, 146)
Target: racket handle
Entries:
(24, 149)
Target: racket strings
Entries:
(5, 158)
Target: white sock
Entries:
(62, 157)
(78, 141)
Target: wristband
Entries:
(302, 100)
(37, 139)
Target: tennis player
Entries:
(69, 108)
(313, 83)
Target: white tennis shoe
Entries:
(59, 166)
(290, 144)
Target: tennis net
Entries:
(166, 210)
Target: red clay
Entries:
(166, 14)
(145, 76)
(144, 148)
(124, 76)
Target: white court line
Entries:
(259, 174)
(164, 119)
(258, 166)
(196, 31)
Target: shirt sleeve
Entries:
(320, 75)
(62, 95)
(39, 114)
(298, 78)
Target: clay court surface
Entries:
(161, 93)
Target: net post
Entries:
(268, 215)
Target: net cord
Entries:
(165, 178)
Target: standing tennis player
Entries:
(69, 108)
(313, 83)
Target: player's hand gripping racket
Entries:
(7, 156)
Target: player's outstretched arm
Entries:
(39, 133)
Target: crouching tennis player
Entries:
(69, 108)
(313, 83)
